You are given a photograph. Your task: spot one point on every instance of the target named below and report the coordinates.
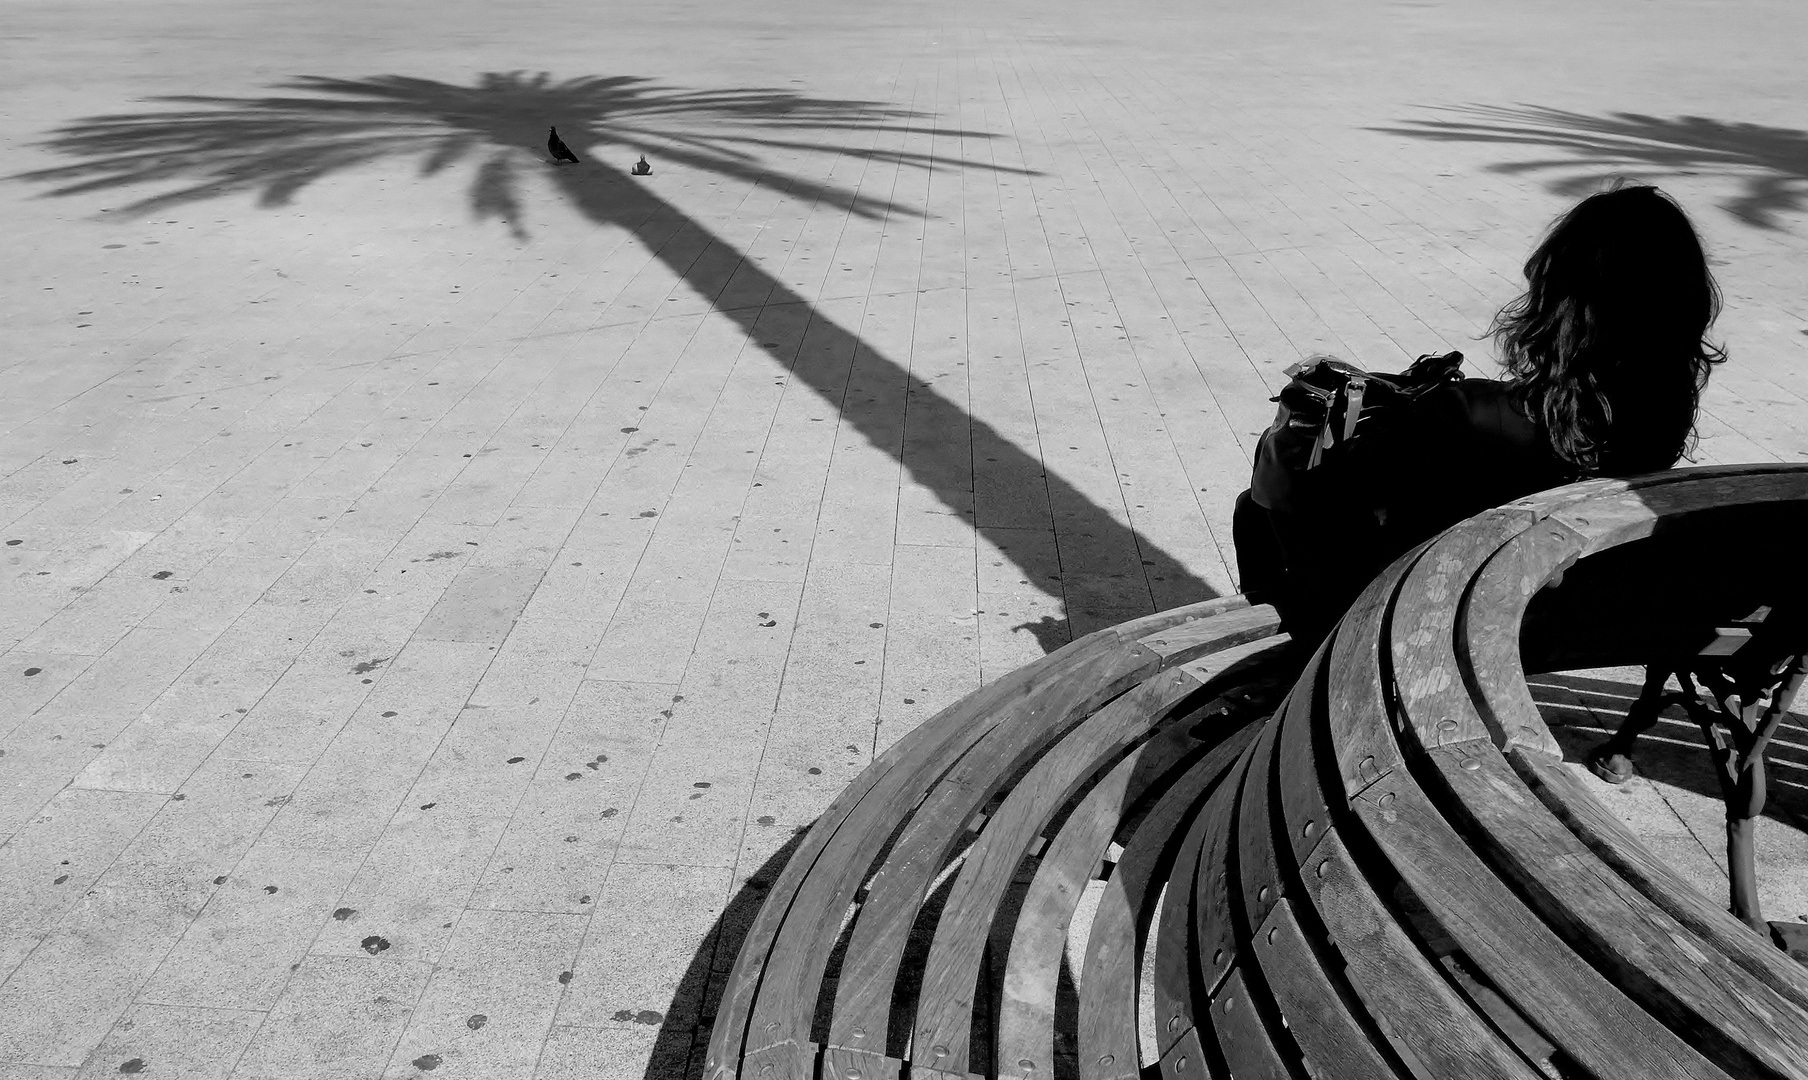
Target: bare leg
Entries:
(1612, 760)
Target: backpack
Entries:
(1307, 462)
(1310, 530)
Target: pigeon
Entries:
(641, 168)
(557, 148)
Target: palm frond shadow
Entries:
(1771, 163)
(277, 145)
(206, 147)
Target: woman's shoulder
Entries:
(1490, 409)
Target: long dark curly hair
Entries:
(1606, 349)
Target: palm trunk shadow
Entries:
(1103, 571)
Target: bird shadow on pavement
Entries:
(1771, 163)
(206, 147)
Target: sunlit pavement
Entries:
(438, 583)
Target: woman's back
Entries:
(1459, 450)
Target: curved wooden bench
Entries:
(1371, 863)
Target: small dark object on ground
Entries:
(557, 148)
(641, 168)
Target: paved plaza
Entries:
(438, 583)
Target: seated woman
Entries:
(1606, 361)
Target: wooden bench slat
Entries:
(1608, 521)
(1564, 793)
(1215, 930)
(1283, 970)
(1139, 628)
(1353, 685)
(1425, 1020)
(791, 1059)
(1027, 1017)
(790, 945)
(930, 750)
(1245, 1041)
(1324, 1022)
(1259, 883)
(1298, 787)
(1488, 627)
(1186, 1059)
(945, 1004)
(1108, 1039)
(1426, 675)
(1667, 970)
(948, 733)
(1209, 636)
(1179, 1000)
(891, 909)
(840, 1063)
(1574, 1006)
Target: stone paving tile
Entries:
(412, 885)
(488, 1007)
(258, 923)
(931, 640)
(619, 1052)
(338, 1019)
(34, 679)
(61, 1002)
(511, 714)
(629, 968)
(61, 739)
(563, 835)
(51, 862)
(178, 1041)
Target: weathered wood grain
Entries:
(1324, 1018)
(944, 1012)
(1426, 1022)
(1186, 1059)
(1577, 1008)
(1433, 694)
(1237, 626)
(1176, 938)
(1611, 520)
(1026, 1022)
(855, 817)
(1245, 1040)
(1656, 961)
(1214, 921)
(897, 893)
(1114, 945)
(1259, 883)
(1565, 795)
(1487, 633)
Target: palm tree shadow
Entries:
(275, 146)
(1772, 162)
